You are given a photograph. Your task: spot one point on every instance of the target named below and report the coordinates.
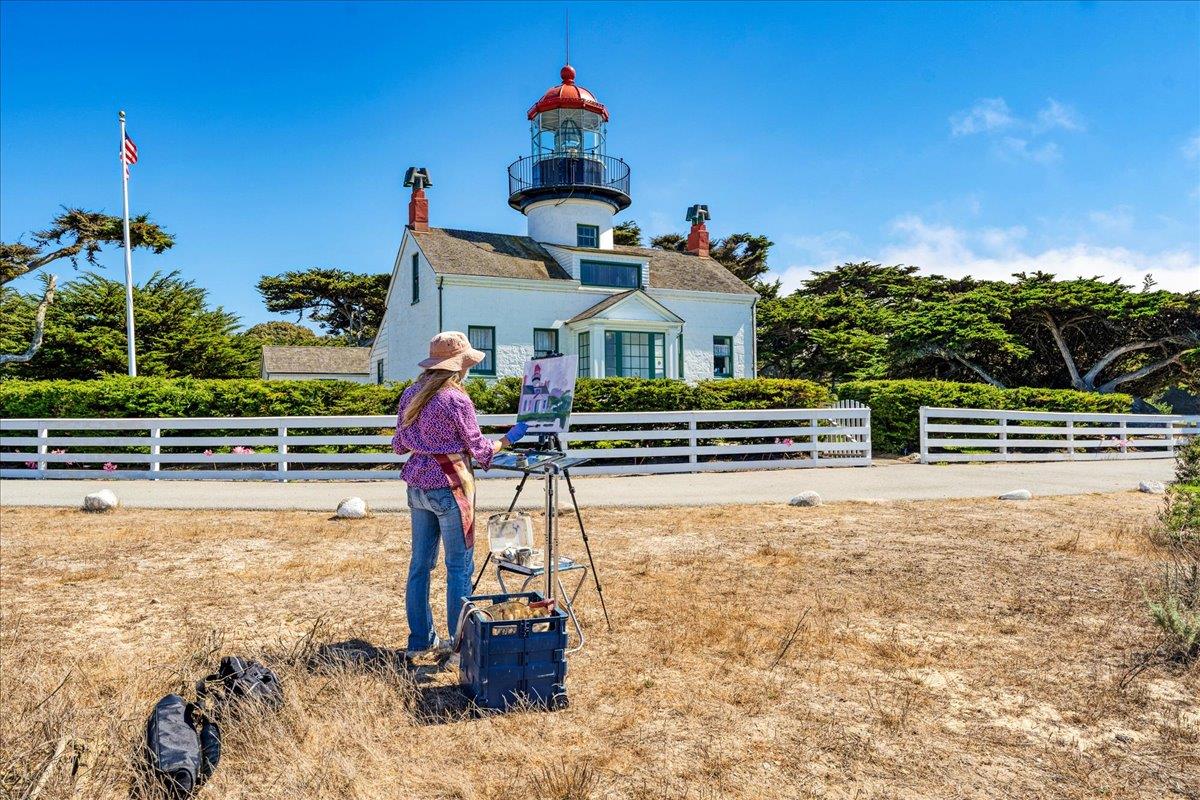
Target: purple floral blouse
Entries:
(447, 424)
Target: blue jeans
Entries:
(435, 517)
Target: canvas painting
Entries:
(547, 393)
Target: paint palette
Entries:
(533, 460)
(525, 461)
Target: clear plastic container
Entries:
(507, 530)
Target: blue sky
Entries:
(964, 138)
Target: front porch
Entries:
(629, 334)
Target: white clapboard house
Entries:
(564, 287)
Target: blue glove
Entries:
(517, 432)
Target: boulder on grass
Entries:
(103, 500)
(1017, 494)
(805, 499)
(352, 508)
(1152, 487)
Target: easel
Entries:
(551, 444)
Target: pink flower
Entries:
(208, 452)
(110, 466)
(787, 442)
(31, 464)
(243, 451)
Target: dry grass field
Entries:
(962, 649)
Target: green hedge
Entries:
(895, 405)
(184, 397)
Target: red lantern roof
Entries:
(568, 95)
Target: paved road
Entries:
(887, 480)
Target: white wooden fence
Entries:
(341, 448)
(974, 434)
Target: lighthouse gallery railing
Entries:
(560, 170)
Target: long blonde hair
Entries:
(430, 383)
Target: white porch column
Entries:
(596, 337)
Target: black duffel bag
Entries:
(177, 757)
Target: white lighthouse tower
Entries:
(569, 188)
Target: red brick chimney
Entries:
(697, 241)
(418, 204)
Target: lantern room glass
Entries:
(573, 132)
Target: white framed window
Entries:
(722, 356)
(545, 342)
(584, 346)
(587, 235)
(634, 354)
(483, 337)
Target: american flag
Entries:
(128, 154)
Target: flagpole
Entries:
(130, 349)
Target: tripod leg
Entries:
(587, 548)
(511, 506)
(520, 486)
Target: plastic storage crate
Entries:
(506, 662)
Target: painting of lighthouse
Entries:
(547, 393)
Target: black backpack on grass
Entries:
(177, 757)
(238, 682)
(183, 740)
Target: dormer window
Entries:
(587, 236)
(610, 273)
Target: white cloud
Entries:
(998, 253)
(1191, 148)
(1115, 220)
(1016, 138)
(1057, 115)
(823, 246)
(987, 115)
(1002, 239)
(1012, 148)
(956, 252)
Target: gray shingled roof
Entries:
(612, 300)
(317, 360)
(670, 269)
(501, 255)
(607, 302)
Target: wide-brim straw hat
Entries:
(451, 350)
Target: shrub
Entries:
(187, 397)
(1181, 513)
(1180, 624)
(895, 404)
(1176, 611)
(766, 393)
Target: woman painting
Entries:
(436, 423)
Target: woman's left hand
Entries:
(516, 433)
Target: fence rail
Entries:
(348, 448)
(975, 434)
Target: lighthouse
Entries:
(569, 188)
(567, 287)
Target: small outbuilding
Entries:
(317, 363)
